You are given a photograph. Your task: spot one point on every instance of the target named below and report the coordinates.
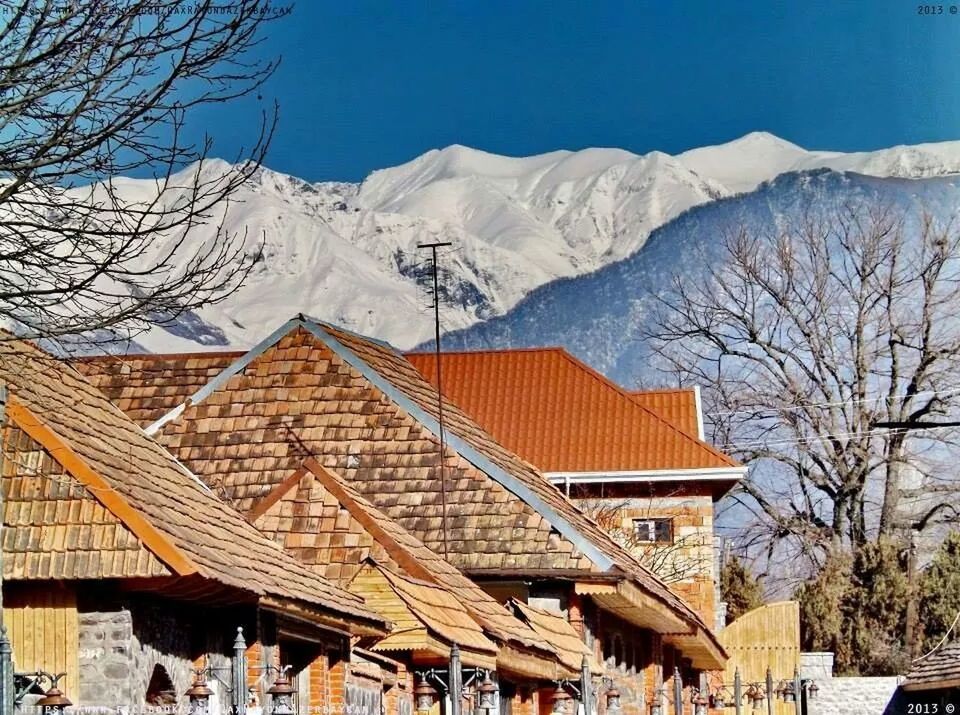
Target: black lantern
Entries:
(613, 699)
(425, 696)
(199, 695)
(788, 693)
(281, 696)
(488, 694)
(812, 690)
(560, 698)
(53, 701)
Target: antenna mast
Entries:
(436, 332)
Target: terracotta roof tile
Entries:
(678, 406)
(563, 416)
(198, 532)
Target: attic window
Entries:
(653, 531)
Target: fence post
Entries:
(455, 682)
(6, 673)
(769, 692)
(585, 695)
(738, 691)
(677, 692)
(238, 675)
(798, 691)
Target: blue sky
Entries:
(366, 84)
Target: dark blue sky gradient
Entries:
(366, 84)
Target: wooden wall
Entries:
(766, 636)
(43, 628)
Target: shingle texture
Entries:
(200, 529)
(307, 396)
(940, 670)
(563, 416)
(331, 526)
(54, 527)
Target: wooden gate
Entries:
(768, 636)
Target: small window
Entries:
(653, 531)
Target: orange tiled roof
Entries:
(562, 415)
(194, 534)
(678, 406)
(363, 411)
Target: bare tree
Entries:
(829, 352)
(93, 90)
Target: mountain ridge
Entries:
(346, 252)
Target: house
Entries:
(124, 571)
(246, 423)
(933, 683)
(637, 461)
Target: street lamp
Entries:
(488, 694)
(700, 704)
(199, 694)
(560, 698)
(425, 696)
(53, 701)
(281, 696)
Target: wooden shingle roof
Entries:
(562, 415)
(326, 522)
(55, 528)
(558, 629)
(939, 671)
(363, 411)
(186, 527)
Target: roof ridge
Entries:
(610, 384)
(119, 357)
(113, 501)
(489, 351)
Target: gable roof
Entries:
(192, 532)
(362, 410)
(331, 526)
(562, 415)
(941, 670)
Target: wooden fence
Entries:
(768, 636)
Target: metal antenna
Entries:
(436, 331)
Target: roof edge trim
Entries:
(509, 482)
(100, 488)
(708, 474)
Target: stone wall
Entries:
(119, 649)
(853, 696)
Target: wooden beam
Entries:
(161, 546)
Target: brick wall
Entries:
(688, 563)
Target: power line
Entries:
(879, 398)
(837, 435)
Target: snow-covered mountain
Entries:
(601, 317)
(347, 253)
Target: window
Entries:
(653, 531)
